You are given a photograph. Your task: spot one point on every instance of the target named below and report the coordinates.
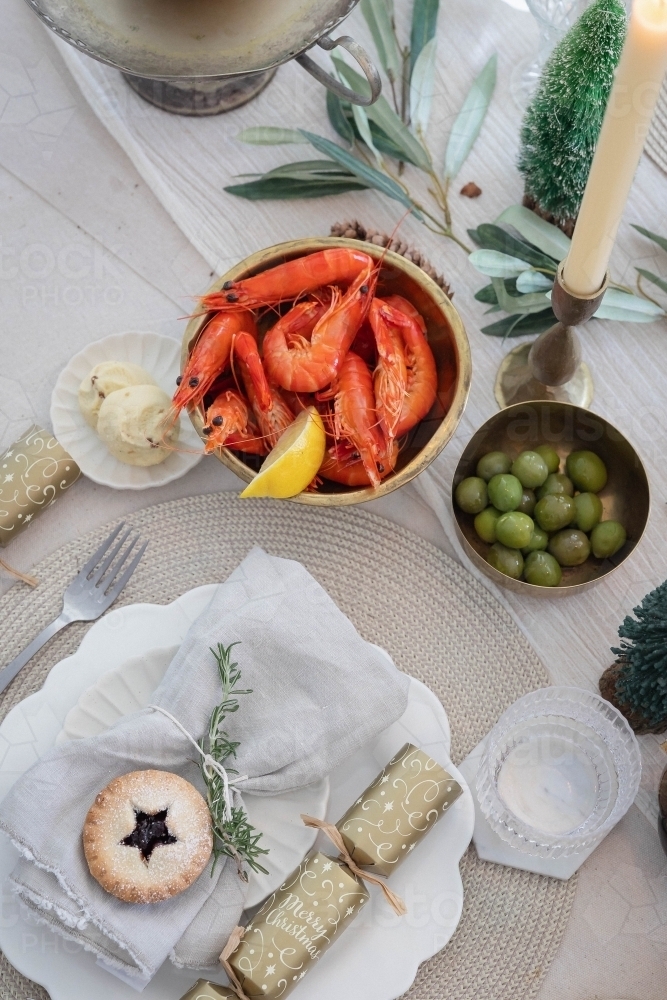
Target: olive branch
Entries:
(234, 836)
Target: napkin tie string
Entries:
(234, 941)
(336, 838)
(209, 764)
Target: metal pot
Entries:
(202, 57)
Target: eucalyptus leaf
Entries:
(475, 237)
(487, 294)
(469, 121)
(660, 240)
(497, 265)
(422, 88)
(289, 188)
(424, 24)
(549, 239)
(492, 237)
(310, 170)
(268, 135)
(364, 130)
(533, 303)
(378, 15)
(520, 326)
(338, 118)
(386, 118)
(533, 281)
(371, 177)
(653, 278)
(381, 140)
(629, 308)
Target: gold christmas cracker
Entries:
(34, 471)
(394, 813)
(295, 926)
(203, 990)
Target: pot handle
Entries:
(329, 81)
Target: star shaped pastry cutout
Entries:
(149, 832)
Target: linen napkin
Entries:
(320, 692)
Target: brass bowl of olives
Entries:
(549, 498)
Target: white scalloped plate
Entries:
(160, 356)
(378, 961)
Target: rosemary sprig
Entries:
(234, 836)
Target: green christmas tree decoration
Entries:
(562, 124)
(640, 672)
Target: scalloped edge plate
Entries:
(378, 962)
(161, 357)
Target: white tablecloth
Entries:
(87, 250)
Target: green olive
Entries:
(538, 541)
(542, 570)
(530, 469)
(589, 511)
(485, 524)
(528, 501)
(554, 512)
(495, 463)
(471, 495)
(587, 471)
(514, 530)
(607, 538)
(570, 547)
(507, 561)
(556, 483)
(505, 492)
(550, 456)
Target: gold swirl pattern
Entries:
(203, 990)
(34, 471)
(296, 925)
(394, 813)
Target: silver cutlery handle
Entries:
(8, 673)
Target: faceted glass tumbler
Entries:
(554, 19)
(559, 770)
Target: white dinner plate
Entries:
(161, 357)
(377, 962)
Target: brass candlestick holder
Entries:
(551, 367)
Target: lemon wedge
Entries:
(295, 460)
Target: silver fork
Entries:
(88, 596)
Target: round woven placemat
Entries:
(438, 623)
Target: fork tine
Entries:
(113, 575)
(111, 597)
(94, 559)
(110, 558)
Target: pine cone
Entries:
(354, 230)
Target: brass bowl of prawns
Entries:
(225, 406)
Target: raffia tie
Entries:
(234, 941)
(209, 764)
(30, 580)
(336, 838)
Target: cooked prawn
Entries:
(422, 379)
(344, 466)
(210, 356)
(291, 280)
(308, 365)
(355, 419)
(390, 379)
(275, 420)
(230, 424)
